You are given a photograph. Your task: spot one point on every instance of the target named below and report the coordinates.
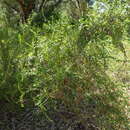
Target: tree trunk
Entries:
(26, 8)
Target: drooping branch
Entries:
(42, 5)
(52, 7)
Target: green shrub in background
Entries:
(65, 64)
(8, 65)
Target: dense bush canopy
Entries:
(64, 64)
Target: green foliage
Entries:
(18, 12)
(66, 64)
(8, 62)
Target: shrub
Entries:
(64, 65)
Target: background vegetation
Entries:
(61, 57)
